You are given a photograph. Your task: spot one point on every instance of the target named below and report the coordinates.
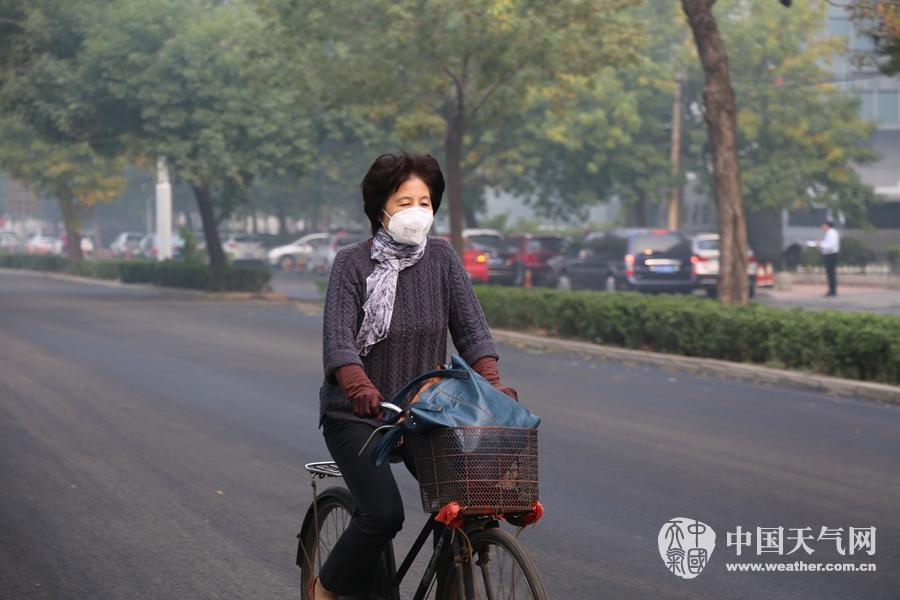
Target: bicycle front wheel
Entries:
(500, 570)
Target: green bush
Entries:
(853, 345)
(138, 271)
(201, 277)
(170, 273)
(855, 252)
(34, 262)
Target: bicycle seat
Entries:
(323, 469)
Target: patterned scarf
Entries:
(381, 287)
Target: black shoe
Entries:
(830, 295)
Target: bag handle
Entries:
(459, 373)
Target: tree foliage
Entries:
(605, 134)
(564, 104)
(799, 135)
(452, 77)
(72, 173)
(191, 81)
(589, 139)
(880, 19)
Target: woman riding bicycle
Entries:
(390, 302)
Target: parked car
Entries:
(651, 260)
(322, 258)
(244, 246)
(295, 256)
(705, 263)
(475, 261)
(532, 254)
(502, 262)
(43, 244)
(149, 248)
(10, 242)
(126, 244)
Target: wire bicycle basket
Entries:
(487, 470)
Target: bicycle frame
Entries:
(456, 552)
(449, 545)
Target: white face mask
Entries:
(410, 225)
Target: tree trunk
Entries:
(210, 227)
(72, 221)
(282, 219)
(640, 208)
(254, 223)
(453, 153)
(469, 216)
(718, 99)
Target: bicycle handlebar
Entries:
(392, 407)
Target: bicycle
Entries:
(477, 559)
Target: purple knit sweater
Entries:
(433, 295)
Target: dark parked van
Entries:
(651, 260)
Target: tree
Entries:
(459, 71)
(604, 135)
(190, 81)
(719, 102)
(799, 136)
(12, 17)
(880, 19)
(73, 174)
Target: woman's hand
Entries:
(359, 389)
(508, 391)
(486, 366)
(367, 403)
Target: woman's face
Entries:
(412, 192)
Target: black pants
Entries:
(831, 271)
(350, 568)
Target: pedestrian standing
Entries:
(830, 245)
(390, 302)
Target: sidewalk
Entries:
(883, 280)
(849, 298)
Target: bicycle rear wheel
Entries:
(324, 523)
(500, 570)
(334, 508)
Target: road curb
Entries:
(710, 366)
(162, 292)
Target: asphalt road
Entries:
(153, 449)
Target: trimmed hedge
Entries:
(843, 344)
(169, 273)
(172, 274)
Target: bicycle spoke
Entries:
(332, 526)
(500, 574)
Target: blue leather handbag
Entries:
(461, 398)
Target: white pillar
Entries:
(163, 211)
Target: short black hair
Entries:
(830, 223)
(388, 173)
